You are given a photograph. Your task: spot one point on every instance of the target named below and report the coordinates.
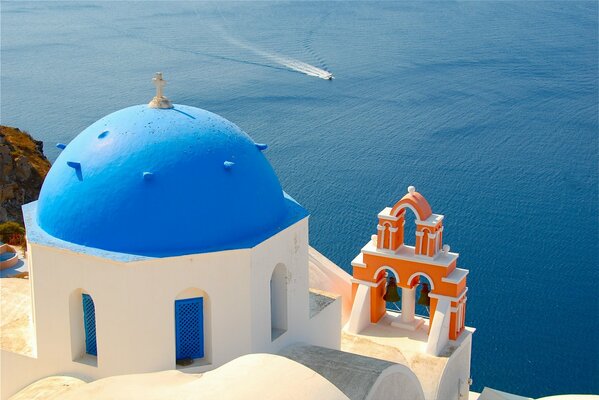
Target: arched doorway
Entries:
(278, 302)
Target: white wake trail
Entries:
(291, 63)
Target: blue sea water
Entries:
(489, 108)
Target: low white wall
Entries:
(438, 336)
(326, 275)
(396, 382)
(457, 372)
(18, 371)
(324, 328)
(360, 315)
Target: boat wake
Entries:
(302, 67)
(287, 62)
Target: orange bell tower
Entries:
(386, 254)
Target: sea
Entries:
(488, 108)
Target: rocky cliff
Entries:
(23, 168)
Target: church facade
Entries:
(162, 240)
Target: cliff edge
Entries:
(23, 168)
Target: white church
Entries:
(163, 246)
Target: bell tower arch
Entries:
(429, 258)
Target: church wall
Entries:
(289, 247)
(224, 277)
(134, 306)
(18, 371)
(454, 381)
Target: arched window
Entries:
(424, 242)
(192, 322)
(408, 218)
(89, 322)
(423, 285)
(82, 311)
(421, 211)
(390, 294)
(386, 235)
(278, 301)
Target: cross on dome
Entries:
(159, 83)
(159, 101)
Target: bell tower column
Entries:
(408, 310)
(408, 304)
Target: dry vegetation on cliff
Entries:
(23, 168)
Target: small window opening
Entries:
(89, 324)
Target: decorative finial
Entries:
(446, 248)
(411, 189)
(159, 101)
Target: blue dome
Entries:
(163, 182)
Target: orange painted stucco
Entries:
(408, 269)
(415, 200)
(377, 303)
(405, 269)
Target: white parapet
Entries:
(360, 313)
(326, 275)
(439, 333)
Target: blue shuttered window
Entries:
(89, 322)
(189, 328)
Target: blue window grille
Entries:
(189, 327)
(89, 322)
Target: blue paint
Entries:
(77, 167)
(89, 324)
(261, 146)
(61, 146)
(228, 164)
(189, 328)
(35, 234)
(194, 207)
(74, 164)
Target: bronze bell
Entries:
(391, 294)
(424, 300)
